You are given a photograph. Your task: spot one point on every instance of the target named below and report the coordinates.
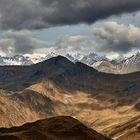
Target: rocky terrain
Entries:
(57, 128)
(59, 87)
(129, 130)
(129, 65)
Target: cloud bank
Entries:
(110, 38)
(36, 14)
(18, 42)
(114, 37)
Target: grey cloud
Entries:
(72, 44)
(34, 14)
(114, 37)
(110, 38)
(18, 42)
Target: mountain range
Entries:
(101, 63)
(59, 87)
(129, 65)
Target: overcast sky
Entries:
(39, 27)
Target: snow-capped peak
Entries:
(91, 58)
(15, 60)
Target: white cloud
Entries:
(67, 44)
(74, 44)
(119, 38)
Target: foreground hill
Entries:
(59, 87)
(58, 128)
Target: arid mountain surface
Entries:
(59, 87)
(129, 65)
(58, 128)
(129, 130)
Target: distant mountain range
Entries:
(101, 63)
(129, 65)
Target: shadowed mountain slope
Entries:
(55, 69)
(61, 72)
(58, 128)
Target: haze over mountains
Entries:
(57, 87)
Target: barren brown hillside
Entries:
(58, 128)
(59, 87)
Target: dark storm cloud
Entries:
(34, 14)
